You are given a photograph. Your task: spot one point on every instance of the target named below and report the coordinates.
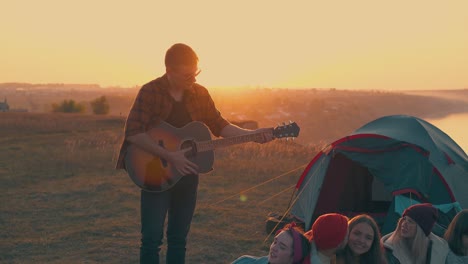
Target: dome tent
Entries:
(382, 168)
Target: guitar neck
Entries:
(225, 142)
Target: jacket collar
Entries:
(439, 248)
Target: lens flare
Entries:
(243, 198)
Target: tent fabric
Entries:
(403, 202)
(446, 156)
(406, 154)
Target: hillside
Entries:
(323, 114)
(63, 201)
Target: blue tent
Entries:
(382, 168)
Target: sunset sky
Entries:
(369, 44)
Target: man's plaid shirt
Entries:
(154, 103)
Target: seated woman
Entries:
(412, 242)
(364, 244)
(289, 246)
(457, 238)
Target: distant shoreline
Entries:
(444, 114)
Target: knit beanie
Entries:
(329, 230)
(425, 215)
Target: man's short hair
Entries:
(180, 54)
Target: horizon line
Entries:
(99, 86)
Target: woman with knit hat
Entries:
(457, 239)
(412, 241)
(328, 234)
(289, 246)
(364, 244)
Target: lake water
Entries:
(456, 126)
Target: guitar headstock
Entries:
(286, 130)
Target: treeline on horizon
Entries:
(91, 86)
(327, 114)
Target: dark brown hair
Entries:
(304, 241)
(376, 252)
(180, 54)
(457, 228)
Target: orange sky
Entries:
(369, 44)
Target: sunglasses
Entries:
(188, 76)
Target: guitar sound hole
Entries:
(191, 145)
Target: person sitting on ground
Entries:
(457, 239)
(363, 243)
(328, 234)
(412, 242)
(289, 246)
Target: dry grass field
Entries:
(62, 201)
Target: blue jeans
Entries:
(179, 204)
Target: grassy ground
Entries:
(62, 201)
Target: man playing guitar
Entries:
(176, 99)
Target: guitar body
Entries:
(154, 174)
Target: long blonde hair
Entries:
(414, 249)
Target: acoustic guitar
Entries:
(155, 174)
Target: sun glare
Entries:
(360, 45)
